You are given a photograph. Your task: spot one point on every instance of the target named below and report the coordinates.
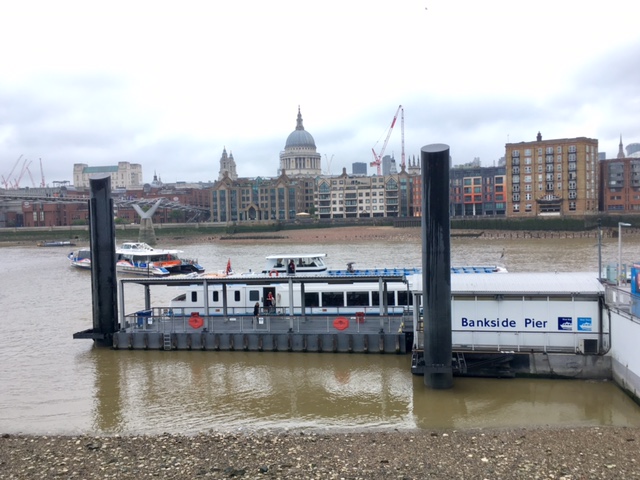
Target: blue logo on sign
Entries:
(584, 324)
(565, 323)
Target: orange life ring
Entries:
(273, 272)
(195, 320)
(341, 323)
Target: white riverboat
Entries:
(295, 263)
(317, 298)
(80, 258)
(141, 259)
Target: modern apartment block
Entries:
(477, 191)
(620, 185)
(552, 177)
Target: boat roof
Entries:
(297, 255)
(536, 283)
(137, 247)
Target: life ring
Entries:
(195, 320)
(273, 272)
(341, 323)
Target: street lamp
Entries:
(620, 225)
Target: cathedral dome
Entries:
(300, 137)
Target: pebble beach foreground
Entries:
(546, 453)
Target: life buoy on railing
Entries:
(273, 273)
(195, 320)
(341, 323)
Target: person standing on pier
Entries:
(256, 313)
(270, 303)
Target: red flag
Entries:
(228, 271)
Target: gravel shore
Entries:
(580, 453)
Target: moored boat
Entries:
(56, 243)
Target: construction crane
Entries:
(25, 167)
(33, 184)
(6, 180)
(377, 159)
(42, 182)
(329, 160)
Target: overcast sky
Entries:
(170, 84)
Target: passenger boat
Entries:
(81, 258)
(320, 298)
(295, 263)
(309, 264)
(141, 258)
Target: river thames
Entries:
(52, 384)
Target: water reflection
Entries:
(481, 403)
(157, 391)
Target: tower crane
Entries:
(377, 159)
(42, 182)
(33, 184)
(25, 167)
(6, 181)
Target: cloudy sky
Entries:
(170, 84)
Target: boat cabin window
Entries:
(236, 295)
(391, 299)
(358, 299)
(254, 295)
(194, 296)
(181, 298)
(332, 299)
(215, 296)
(404, 298)
(311, 299)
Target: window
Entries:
(332, 299)
(312, 299)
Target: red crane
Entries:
(6, 181)
(377, 159)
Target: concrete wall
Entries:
(625, 352)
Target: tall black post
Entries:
(104, 291)
(436, 266)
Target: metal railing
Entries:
(166, 320)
